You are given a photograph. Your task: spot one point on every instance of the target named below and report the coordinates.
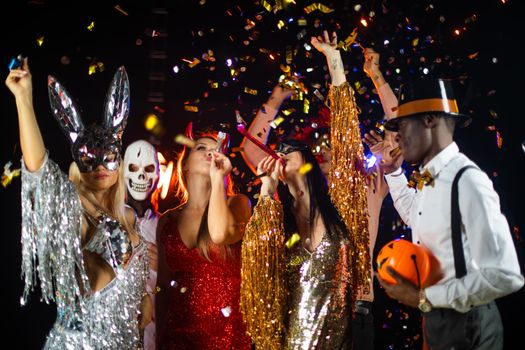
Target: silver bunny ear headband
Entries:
(98, 144)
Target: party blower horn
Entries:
(411, 261)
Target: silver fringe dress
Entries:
(51, 250)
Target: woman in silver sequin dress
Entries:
(77, 236)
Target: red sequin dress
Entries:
(203, 308)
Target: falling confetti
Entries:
(8, 174)
(292, 240)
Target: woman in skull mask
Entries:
(141, 173)
(91, 261)
(197, 306)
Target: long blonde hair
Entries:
(181, 192)
(116, 197)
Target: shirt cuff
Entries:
(437, 296)
(396, 173)
(396, 179)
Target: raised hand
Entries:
(279, 94)
(220, 166)
(371, 64)
(333, 56)
(19, 81)
(269, 170)
(385, 150)
(324, 45)
(371, 67)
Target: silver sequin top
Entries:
(51, 235)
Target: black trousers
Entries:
(479, 328)
(363, 326)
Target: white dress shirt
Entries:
(492, 264)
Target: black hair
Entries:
(320, 201)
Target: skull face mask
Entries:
(141, 169)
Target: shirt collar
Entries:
(440, 160)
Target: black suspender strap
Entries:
(457, 246)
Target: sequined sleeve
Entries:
(348, 181)
(263, 289)
(51, 224)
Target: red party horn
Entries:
(241, 128)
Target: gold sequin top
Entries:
(296, 299)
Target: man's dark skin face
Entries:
(421, 138)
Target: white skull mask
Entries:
(141, 169)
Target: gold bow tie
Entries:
(418, 180)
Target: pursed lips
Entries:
(101, 176)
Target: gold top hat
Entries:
(426, 96)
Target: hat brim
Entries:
(462, 120)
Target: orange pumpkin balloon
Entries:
(411, 261)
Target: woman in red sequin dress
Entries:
(199, 255)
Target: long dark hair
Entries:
(320, 201)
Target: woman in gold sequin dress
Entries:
(303, 257)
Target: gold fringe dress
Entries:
(295, 299)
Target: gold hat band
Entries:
(428, 105)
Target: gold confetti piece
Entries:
(289, 54)
(292, 240)
(280, 24)
(151, 122)
(121, 10)
(183, 140)
(473, 55)
(250, 91)
(345, 45)
(415, 42)
(305, 168)
(91, 26)
(284, 68)
(40, 40)
(214, 85)
(95, 67)
(275, 123)
(193, 63)
(288, 111)
(317, 6)
(266, 5)
(9, 174)
(301, 22)
(394, 152)
(191, 108)
(306, 106)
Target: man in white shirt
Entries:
(481, 265)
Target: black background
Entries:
(489, 86)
